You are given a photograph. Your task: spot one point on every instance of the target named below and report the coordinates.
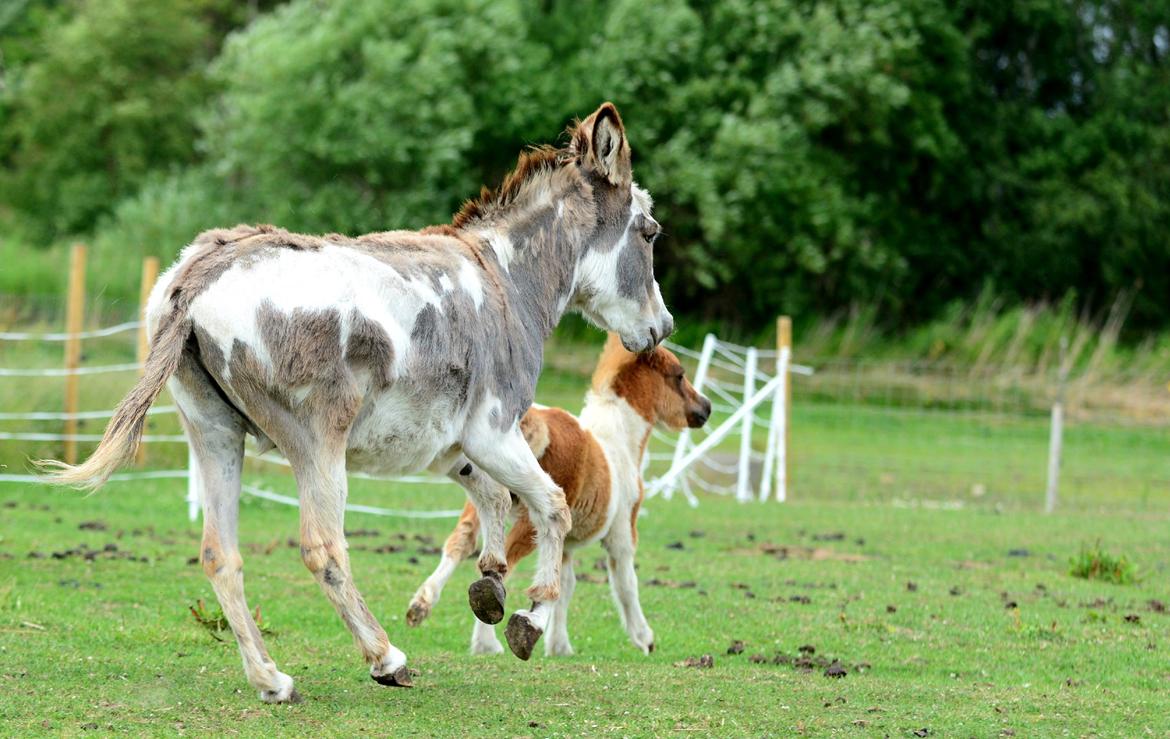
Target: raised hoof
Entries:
(400, 678)
(521, 635)
(417, 613)
(486, 597)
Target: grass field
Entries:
(910, 536)
(107, 642)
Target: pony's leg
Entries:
(623, 581)
(492, 503)
(216, 435)
(459, 546)
(484, 639)
(321, 480)
(557, 644)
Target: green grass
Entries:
(1094, 563)
(111, 642)
(883, 496)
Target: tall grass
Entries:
(992, 355)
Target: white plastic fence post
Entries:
(718, 435)
(1056, 433)
(780, 420)
(776, 428)
(193, 501)
(743, 488)
(684, 436)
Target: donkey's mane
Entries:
(531, 163)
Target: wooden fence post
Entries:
(149, 276)
(74, 320)
(784, 364)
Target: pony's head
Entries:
(654, 384)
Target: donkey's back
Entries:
(387, 332)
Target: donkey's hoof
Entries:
(486, 597)
(283, 693)
(522, 635)
(400, 678)
(417, 613)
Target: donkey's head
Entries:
(615, 286)
(573, 231)
(653, 383)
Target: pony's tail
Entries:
(124, 432)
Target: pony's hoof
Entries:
(486, 597)
(400, 678)
(417, 613)
(522, 635)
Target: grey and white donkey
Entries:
(390, 353)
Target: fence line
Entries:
(80, 415)
(36, 436)
(68, 371)
(258, 492)
(66, 336)
(116, 477)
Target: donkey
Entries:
(597, 460)
(391, 353)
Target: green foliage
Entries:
(806, 156)
(111, 99)
(215, 622)
(1094, 563)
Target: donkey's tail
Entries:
(124, 432)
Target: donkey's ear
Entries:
(608, 153)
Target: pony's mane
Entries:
(531, 163)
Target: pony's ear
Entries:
(605, 147)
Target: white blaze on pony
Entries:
(390, 353)
(597, 461)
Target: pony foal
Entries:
(597, 460)
(391, 353)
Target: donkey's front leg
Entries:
(322, 482)
(509, 460)
(492, 502)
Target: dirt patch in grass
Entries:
(704, 662)
(816, 554)
(84, 551)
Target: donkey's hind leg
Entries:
(321, 479)
(216, 435)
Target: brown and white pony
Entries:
(391, 353)
(597, 461)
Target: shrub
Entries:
(1094, 563)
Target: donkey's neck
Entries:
(537, 242)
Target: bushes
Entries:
(805, 156)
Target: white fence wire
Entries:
(737, 397)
